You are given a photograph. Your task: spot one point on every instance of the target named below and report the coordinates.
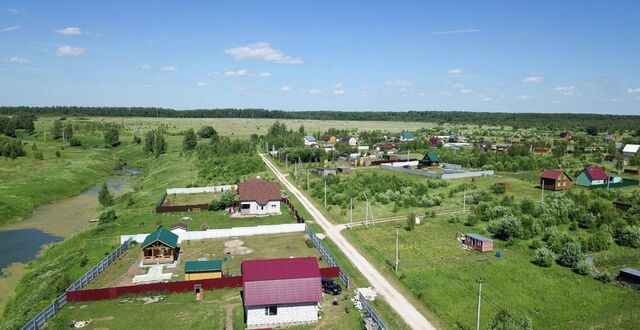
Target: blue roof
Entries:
(478, 237)
(406, 135)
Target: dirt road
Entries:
(396, 300)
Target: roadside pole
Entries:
(479, 299)
(397, 245)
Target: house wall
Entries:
(273, 207)
(287, 314)
(202, 276)
(583, 180)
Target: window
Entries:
(245, 206)
(262, 207)
(271, 310)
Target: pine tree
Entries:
(105, 197)
(189, 142)
(56, 130)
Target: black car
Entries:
(330, 286)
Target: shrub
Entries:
(544, 257)
(75, 142)
(604, 277)
(226, 199)
(38, 155)
(107, 217)
(206, 132)
(57, 153)
(137, 139)
(571, 255)
(505, 228)
(582, 268)
(536, 244)
(507, 321)
(105, 197)
(411, 221)
(456, 218)
(112, 137)
(498, 188)
(600, 241)
(189, 142)
(630, 236)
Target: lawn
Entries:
(191, 199)
(442, 276)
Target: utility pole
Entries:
(351, 213)
(479, 299)
(397, 245)
(325, 192)
(286, 161)
(464, 202)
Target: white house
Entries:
(630, 149)
(259, 197)
(310, 140)
(349, 139)
(281, 292)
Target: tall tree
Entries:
(112, 137)
(68, 131)
(148, 142)
(56, 129)
(159, 144)
(190, 141)
(105, 197)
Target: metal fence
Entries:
(369, 312)
(326, 255)
(48, 312)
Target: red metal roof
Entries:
(552, 174)
(259, 191)
(281, 281)
(597, 173)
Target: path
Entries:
(229, 321)
(395, 299)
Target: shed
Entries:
(326, 171)
(629, 276)
(406, 136)
(478, 242)
(280, 292)
(202, 270)
(159, 247)
(343, 169)
(592, 176)
(430, 159)
(310, 140)
(630, 149)
(551, 179)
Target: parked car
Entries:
(330, 286)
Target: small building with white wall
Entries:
(259, 197)
(281, 292)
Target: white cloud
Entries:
(236, 73)
(523, 97)
(399, 82)
(17, 60)
(262, 51)
(10, 28)
(168, 69)
(265, 74)
(533, 80)
(71, 51)
(437, 33)
(146, 67)
(457, 86)
(465, 91)
(338, 92)
(69, 31)
(202, 84)
(338, 85)
(285, 88)
(446, 93)
(565, 90)
(633, 90)
(315, 91)
(487, 99)
(455, 72)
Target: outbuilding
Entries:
(551, 179)
(406, 136)
(478, 242)
(629, 276)
(159, 247)
(592, 176)
(430, 159)
(202, 269)
(259, 197)
(310, 140)
(630, 150)
(281, 292)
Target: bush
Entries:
(507, 321)
(206, 132)
(456, 218)
(543, 257)
(38, 155)
(582, 268)
(571, 255)
(57, 153)
(226, 199)
(498, 188)
(600, 241)
(604, 277)
(630, 236)
(105, 197)
(75, 142)
(107, 217)
(536, 244)
(506, 228)
(411, 221)
(137, 139)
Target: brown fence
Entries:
(160, 208)
(182, 286)
(286, 202)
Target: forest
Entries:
(572, 121)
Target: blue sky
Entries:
(516, 56)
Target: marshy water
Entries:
(23, 241)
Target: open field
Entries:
(442, 275)
(190, 199)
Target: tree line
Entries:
(555, 121)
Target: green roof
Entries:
(202, 266)
(406, 135)
(432, 156)
(163, 236)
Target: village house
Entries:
(159, 247)
(310, 140)
(388, 148)
(328, 138)
(326, 171)
(434, 141)
(610, 138)
(280, 292)
(555, 180)
(406, 136)
(352, 141)
(202, 269)
(630, 150)
(629, 276)
(592, 176)
(566, 136)
(430, 159)
(478, 242)
(259, 197)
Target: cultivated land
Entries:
(436, 275)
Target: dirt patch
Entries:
(233, 243)
(229, 321)
(234, 247)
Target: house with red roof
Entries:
(555, 180)
(259, 197)
(592, 176)
(281, 292)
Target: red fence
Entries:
(217, 283)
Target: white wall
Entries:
(231, 232)
(287, 314)
(273, 207)
(400, 164)
(198, 190)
